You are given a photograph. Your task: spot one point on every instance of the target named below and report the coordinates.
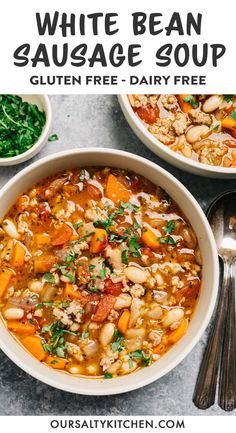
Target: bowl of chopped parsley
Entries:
(25, 122)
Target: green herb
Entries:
(131, 364)
(49, 278)
(102, 273)
(84, 335)
(134, 246)
(107, 376)
(83, 238)
(116, 238)
(31, 321)
(233, 114)
(56, 344)
(53, 304)
(54, 361)
(91, 267)
(124, 257)
(168, 240)
(106, 224)
(78, 225)
(169, 228)
(140, 354)
(216, 127)
(53, 137)
(228, 98)
(21, 124)
(94, 289)
(66, 272)
(136, 225)
(117, 345)
(129, 206)
(191, 100)
(84, 175)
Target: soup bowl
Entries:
(115, 158)
(168, 154)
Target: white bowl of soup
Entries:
(195, 133)
(106, 283)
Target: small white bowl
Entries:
(116, 158)
(43, 103)
(165, 152)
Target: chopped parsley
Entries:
(49, 278)
(134, 246)
(21, 124)
(216, 127)
(90, 267)
(140, 354)
(124, 257)
(107, 376)
(228, 98)
(169, 228)
(117, 344)
(56, 343)
(78, 225)
(84, 335)
(168, 240)
(233, 114)
(191, 100)
(53, 137)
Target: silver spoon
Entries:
(222, 218)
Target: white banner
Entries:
(117, 47)
(119, 424)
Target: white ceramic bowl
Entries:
(115, 158)
(43, 103)
(167, 154)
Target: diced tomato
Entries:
(94, 192)
(62, 235)
(104, 307)
(190, 290)
(42, 211)
(148, 114)
(113, 288)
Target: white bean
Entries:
(135, 333)
(155, 312)
(135, 274)
(172, 316)
(90, 348)
(212, 103)
(106, 333)
(196, 133)
(10, 229)
(35, 286)
(13, 313)
(122, 301)
(75, 369)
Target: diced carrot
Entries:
(229, 122)
(44, 263)
(150, 239)
(21, 328)
(42, 239)
(70, 188)
(56, 362)
(103, 308)
(5, 278)
(18, 255)
(123, 321)
(99, 241)
(69, 292)
(62, 235)
(159, 349)
(74, 237)
(175, 335)
(185, 106)
(116, 191)
(34, 345)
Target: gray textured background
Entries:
(84, 121)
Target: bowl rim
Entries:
(155, 144)
(42, 139)
(54, 379)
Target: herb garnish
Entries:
(49, 278)
(134, 246)
(53, 137)
(56, 344)
(124, 257)
(228, 98)
(107, 376)
(140, 354)
(117, 344)
(169, 228)
(233, 114)
(21, 124)
(191, 100)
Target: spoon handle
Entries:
(227, 380)
(205, 388)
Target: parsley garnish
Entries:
(134, 246)
(233, 114)
(191, 100)
(117, 344)
(140, 354)
(124, 257)
(53, 137)
(228, 98)
(169, 228)
(78, 225)
(49, 278)
(84, 335)
(56, 344)
(107, 376)
(168, 240)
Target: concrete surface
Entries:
(84, 121)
